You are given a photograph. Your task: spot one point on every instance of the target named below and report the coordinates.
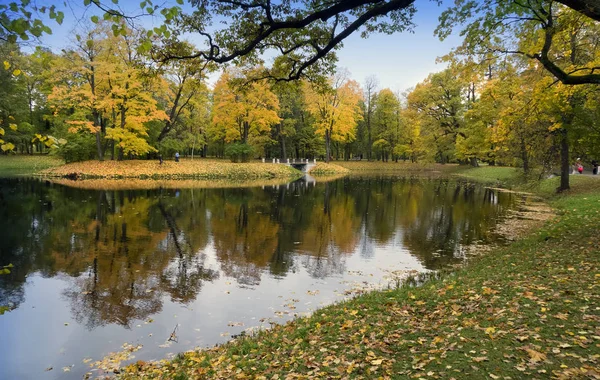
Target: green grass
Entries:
(579, 185)
(527, 310)
(497, 174)
(17, 165)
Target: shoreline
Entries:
(520, 310)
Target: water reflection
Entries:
(123, 251)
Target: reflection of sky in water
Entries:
(35, 336)
(326, 240)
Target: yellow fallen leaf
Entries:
(376, 362)
(535, 356)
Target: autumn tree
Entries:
(244, 111)
(412, 144)
(103, 88)
(370, 97)
(184, 80)
(78, 76)
(334, 105)
(438, 101)
(562, 41)
(129, 96)
(386, 122)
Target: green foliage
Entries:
(79, 147)
(239, 152)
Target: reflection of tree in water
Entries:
(331, 234)
(25, 208)
(132, 264)
(244, 235)
(458, 215)
(184, 276)
(125, 250)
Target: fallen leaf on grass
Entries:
(535, 356)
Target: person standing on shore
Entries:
(176, 156)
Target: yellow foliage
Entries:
(243, 112)
(335, 107)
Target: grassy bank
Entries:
(528, 310)
(390, 166)
(185, 169)
(14, 165)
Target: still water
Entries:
(167, 270)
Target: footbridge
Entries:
(304, 165)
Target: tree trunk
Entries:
(99, 146)
(327, 146)
(524, 156)
(283, 154)
(473, 161)
(564, 161)
(245, 132)
(369, 152)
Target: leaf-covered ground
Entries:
(528, 310)
(185, 169)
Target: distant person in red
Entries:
(579, 166)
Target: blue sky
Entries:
(398, 61)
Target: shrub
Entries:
(239, 152)
(79, 147)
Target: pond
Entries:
(166, 270)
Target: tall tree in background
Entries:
(370, 97)
(335, 107)
(185, 79)
(130, 95)
(245, 112)
(78, 77)
(386, 122)
(438, 101)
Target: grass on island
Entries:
(325, 169)
(390, 166)
(185, 169)
(19, 165)
(527, 310)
